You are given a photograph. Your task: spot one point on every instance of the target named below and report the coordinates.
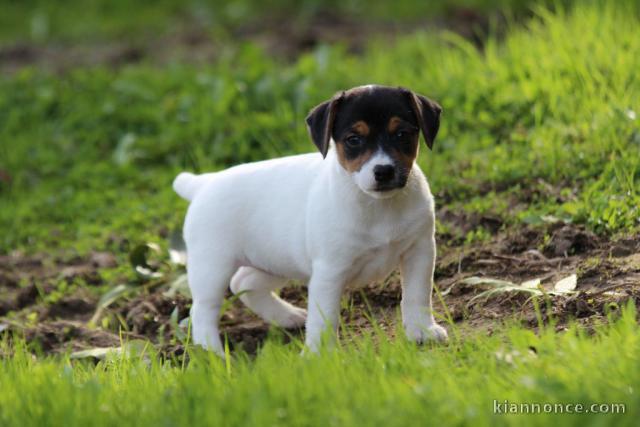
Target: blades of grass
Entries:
(370, 316)
(536, 309)
(227, 356)
(178, 285)
(111, 296)
(497, 291)
(228, 302)
(186, 347)
(448, 317)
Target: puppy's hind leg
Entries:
(256, 288)
(208, 277)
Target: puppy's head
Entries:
(376, 131)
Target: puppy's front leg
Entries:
(417, 268)
(325, 290)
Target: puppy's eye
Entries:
(401, 134)
(354, 141)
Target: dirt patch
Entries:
(150, 315)
(73, 307)
(605, 281)
(63, 335)
(459, 223)
(608, 275)
(19, 268)
(25, 281)
(570, 240)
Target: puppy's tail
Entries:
(187, 185)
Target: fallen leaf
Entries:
(129, 348)
(474, 281)
(501, 290)
(99, 353)
(147, 273)
(567, 284)
(113, 294)
(477, 281)
(531, 284)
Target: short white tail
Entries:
(187, 185)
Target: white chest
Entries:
(374, 264)
(382, 253)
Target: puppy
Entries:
(340, 218)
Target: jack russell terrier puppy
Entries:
(340, 218)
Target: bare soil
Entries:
(608, 273)
(191, 42)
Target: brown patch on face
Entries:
(407, 153)
(405, 160)
(394, 122)
(405, 156)
(361, 128)
(352, 165)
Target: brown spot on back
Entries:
(361, 127)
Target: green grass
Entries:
(92, 152)
(389, 383)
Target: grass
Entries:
(372, 381)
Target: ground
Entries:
(608, 272)
(535, 174)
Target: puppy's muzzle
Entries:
(388, 177)
(384, 174)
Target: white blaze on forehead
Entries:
(379, 158)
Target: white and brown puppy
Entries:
(343, 217)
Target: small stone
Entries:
(103, 260)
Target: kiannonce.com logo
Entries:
(506, 407)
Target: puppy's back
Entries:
(256, 209)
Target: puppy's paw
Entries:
(291, 318)
(422, 333)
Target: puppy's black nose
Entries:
(383, 173)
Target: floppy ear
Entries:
(428, 114)
(320, 123)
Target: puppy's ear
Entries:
(320, 123)
(428, 114)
